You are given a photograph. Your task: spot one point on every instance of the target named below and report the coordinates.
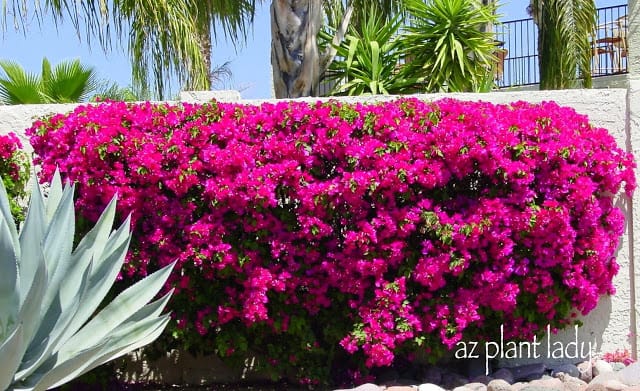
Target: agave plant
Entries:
(50, 332)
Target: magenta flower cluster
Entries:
(14, 171)
(621, 356)
(10, 164)
(407, 225)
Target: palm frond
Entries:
(18, 86)
(233, 16)
(445, 46)
(368, 59)
(565, 51)
(221, 73)
(70, 81)
(164, 40)
(67, 82)
(585, 21)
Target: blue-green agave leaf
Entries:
(10, 353)
(100, 281)
(121, 308)
(31, 238)
(52, 372)
(43, 343)
(9, 280)
(126, 338)
(30, 310)
(52, 328)
(54, 195)
(57, 245)
(114, 242)
(93, 243)
(37, 351)
(151, 310)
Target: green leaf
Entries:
(18, 86)
(353, 46)
(69, 82)
(46, 71)
(370, 58)
(445, 45)
(5, 213)
(375, 59)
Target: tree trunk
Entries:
(294, 50)
(204, 42)
(488, 27)
(564, 49)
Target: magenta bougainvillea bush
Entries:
(14, 172)
(332, 232)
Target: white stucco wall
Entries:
(17, 118)
(612, 325)
(633, 36)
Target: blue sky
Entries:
(250, 63)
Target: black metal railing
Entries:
(609, 42)
(518, 53)
(518, 48)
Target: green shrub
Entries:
(14, 171)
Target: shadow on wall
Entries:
(625, 249)
(180, 367)
(569, 346)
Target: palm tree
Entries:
(173, 37)
(165, 37)
(234, 16)
(445, 47)
(294, 49)
(296, 59)
(564, 28)
(67, 82)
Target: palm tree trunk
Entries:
(294, 50)
(563, 42)
(488, 27)
(204, 42)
